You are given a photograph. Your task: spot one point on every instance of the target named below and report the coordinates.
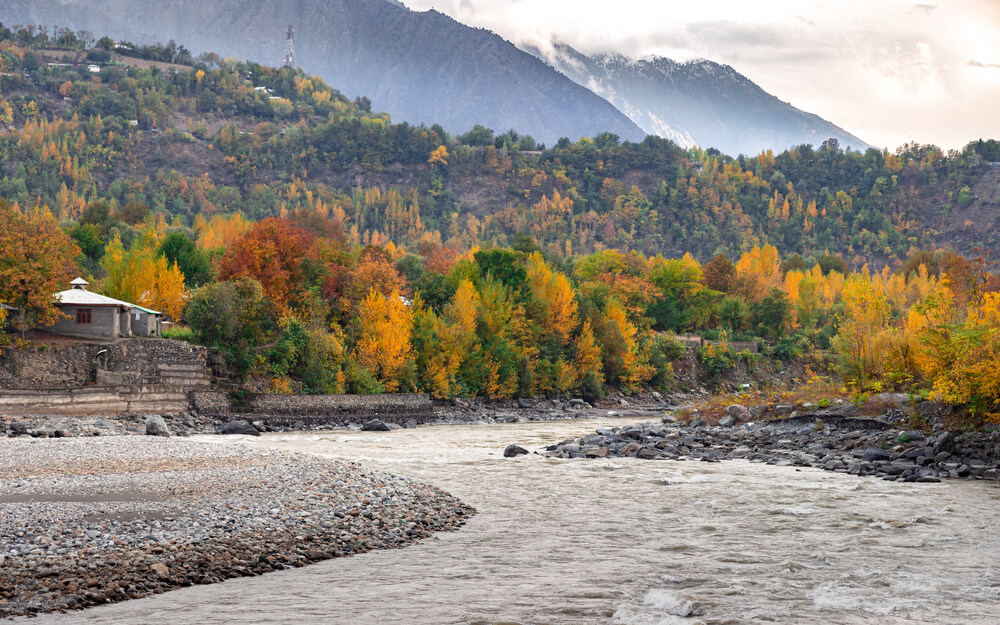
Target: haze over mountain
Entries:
(695, 103)
(424, 67)
(421, 67)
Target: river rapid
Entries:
(623, 541)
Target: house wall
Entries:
(145, 325)
(104, 323)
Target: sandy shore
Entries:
(85, 521)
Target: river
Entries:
(623, 541)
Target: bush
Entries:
(591, 390)
(360, 381)
(716, 359)
(790, 348)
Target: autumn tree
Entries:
(383, 347)
(719, 274)
(860, 327)
(140, 275)
(36, 261)
(757, 272)
(276, 253)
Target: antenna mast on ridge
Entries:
(290, 48)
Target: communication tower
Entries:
(290, 48)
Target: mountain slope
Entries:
(420, 67)
(695, 103)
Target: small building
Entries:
(94, 69)
(90, 315)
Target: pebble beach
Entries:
(85, 521)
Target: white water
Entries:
(624, 541)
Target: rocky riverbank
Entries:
(91, 521)
(458, 411)
(883, 447)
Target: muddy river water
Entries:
(624, 541)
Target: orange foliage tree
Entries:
(36, 260)
(277, 254)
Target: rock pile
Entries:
(857, 446)
(90, 521)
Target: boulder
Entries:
(160, 569)
(375, 426)
(738, 412)
(512, 451)
(874, 453)
(156, 426)
(647, 454)
(20, 427)
(239, 426)
(727, 421)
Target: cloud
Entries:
(974, 63)
(924, 8)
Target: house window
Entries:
(83, 315)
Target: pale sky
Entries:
(888, 71)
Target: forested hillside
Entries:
(423, 67)
(325, 249)
(224, 137)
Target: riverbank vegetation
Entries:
(325, 249)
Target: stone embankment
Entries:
(216, 420)
(882, 447)
(85, 522)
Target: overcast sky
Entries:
(888, 71)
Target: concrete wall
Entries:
(93, 401)
(144, 324)
(105, 323)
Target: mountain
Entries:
(695, 103)
(421, 67)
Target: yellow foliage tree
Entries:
(141, 276)
(385, 329)
(636, 369)
(861, 329)
(555, 299)
(758, 271)
(439, 156)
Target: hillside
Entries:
(323, 249)
(421, 67)
(265, 142)
(696, 103)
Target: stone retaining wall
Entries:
(317, 409)
(128, 362)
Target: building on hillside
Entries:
(93, 316)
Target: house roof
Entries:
(79, 297)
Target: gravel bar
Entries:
(85, 521)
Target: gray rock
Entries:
(727, 421)
(238, 426)
(156, 426)
(19, 427)
(375, 426)
(738, 412)
(647, 454)
(44, 432)
(512, 451)
(873, 454)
